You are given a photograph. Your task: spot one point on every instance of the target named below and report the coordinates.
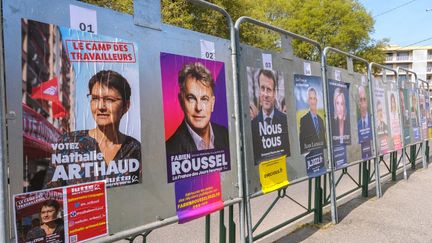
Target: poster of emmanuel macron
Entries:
(195, 116)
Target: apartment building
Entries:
(415, 58)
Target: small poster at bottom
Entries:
(198, 196)
(69, 214)
(273, 174)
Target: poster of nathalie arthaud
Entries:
(81, 109)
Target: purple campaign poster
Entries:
(195, 116)
(198, 196)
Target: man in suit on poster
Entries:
(197, 100)
(364, 123)
(312, 129)
(269, 127)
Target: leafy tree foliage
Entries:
(343, 24)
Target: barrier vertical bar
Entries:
(318, 201)
(207, 229)
(4, 204)
(237, 110)
(394, 165)
(424, 144)
(222, 228)
(376, 159)
(365, 179)
(329, 141)
(231, 224)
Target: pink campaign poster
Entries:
(196, 132)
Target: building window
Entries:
(403, 56)
(389, 56)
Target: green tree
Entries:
(343, 24)
(124, 6)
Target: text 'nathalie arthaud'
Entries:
(91, 163)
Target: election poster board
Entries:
(267, 110)
(340, 122)
(364, 120)
(428, 115)
(404, 103)
(382, 127)
(423, 114)
(68, 214)
(196, 132)
(270, 138)
(414, 115)
(80, 110)
(394, 117)
(310, 122)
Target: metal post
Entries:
(365, 180)
(413, 156)
(423, 154)
(318, 201)
(4, 202)
(404, 163)
(207, 229)
(427, 150)
(231, 224)
(222, 228)
(393, 161)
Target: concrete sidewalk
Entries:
(403, 214)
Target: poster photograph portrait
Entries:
(340, 112)
(81, 108)
(414, 114)
(423, 115)
(309, 112)
(381, 118)
(195, 116)
(267, 110)
(406, 122)
(364, 123)
(395, 127)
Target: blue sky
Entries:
(405, 22)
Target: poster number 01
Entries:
(83, 19)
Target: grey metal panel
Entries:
(411, 86)
(154, 199)
(252, 57)
(354, 79)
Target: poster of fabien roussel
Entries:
(267, 109)
(81, 108)
(195, 116)
(310, 121)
